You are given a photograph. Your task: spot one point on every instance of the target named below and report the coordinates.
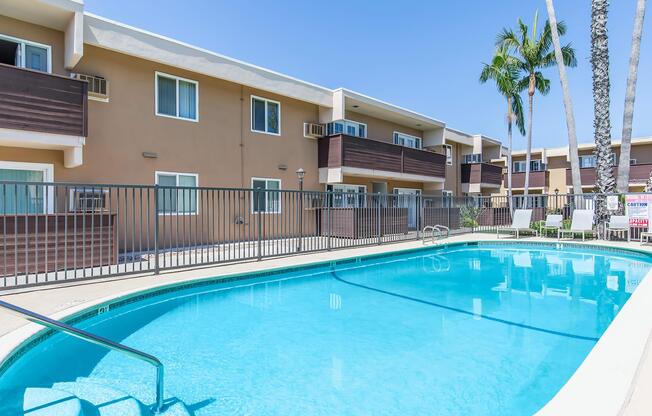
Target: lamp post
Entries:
(557, 198)
(300, 174)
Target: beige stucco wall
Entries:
(557, 176)
(39, 34)
(383, 130)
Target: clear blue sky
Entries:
(423, 55)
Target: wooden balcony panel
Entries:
(42, 102)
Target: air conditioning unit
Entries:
(98, 87)
(88, 200)
(314, 130)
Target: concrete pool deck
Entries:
(614, 379)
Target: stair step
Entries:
(144, 393)
(38, 401)
(104, 400)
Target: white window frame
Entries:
(591, 157)
(177, 174)
(396, 135)
(23, 42)
(342, 191)
(344, 123)
(448, 152)
(474, 158)
(251, 115)
(176, 79)
(280, 198)
(48, 176)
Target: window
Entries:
(176, 97)
(448, 152)
(348, 196)
(265, 200)
(587, 161)
(632, 161)
(265, 116)
(175, 198)
(348, 127)
(535, 166)
(474, 158)
(407, 140)
(26, 198)
(25, 54)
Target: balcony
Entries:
(538, 179)
(483, 174)
(341, 155)
(43, 111)
(637, 174)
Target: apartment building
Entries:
(85, 99)
(550, 170)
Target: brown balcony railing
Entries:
(481, 173)
(637, 174)
(42, 102)
(355, 152)
(538, 179)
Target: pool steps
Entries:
(83, 397)
(39, 401)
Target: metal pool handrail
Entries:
(97, 340)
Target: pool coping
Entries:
(600, 386)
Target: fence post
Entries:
(259, 221)
(378, 220)
(328, 213)
(448, 210)
(157, 269)
(417, 207)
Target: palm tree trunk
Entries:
(528, 151)
(509, 155)
(568, 103)
(630, 96)
(602, 124)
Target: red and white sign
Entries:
(637, 208)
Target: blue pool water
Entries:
(463, 330)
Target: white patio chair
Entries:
(618, 224)
(581, 223)
(553, 222)
(645, 235)
(520, 222)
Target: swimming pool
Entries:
(474, 329)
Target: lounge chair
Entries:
(617, 224)
(520, 223)
(582, 223)
(553, 222)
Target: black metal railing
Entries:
(58, 232)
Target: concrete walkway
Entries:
(62, 300)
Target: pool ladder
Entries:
(438, 229)
(97, 340)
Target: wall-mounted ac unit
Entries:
(88, 200)
(314, 130)
(98, 87)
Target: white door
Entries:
(407, 198)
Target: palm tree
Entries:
(601, 120)
(568, 103)
(533, 55)
(503, 70)
(630, 95)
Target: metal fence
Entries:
(54, 232)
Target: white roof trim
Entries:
(108, 34)
(426, 121)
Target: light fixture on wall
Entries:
(282, 167)
(150, 155)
